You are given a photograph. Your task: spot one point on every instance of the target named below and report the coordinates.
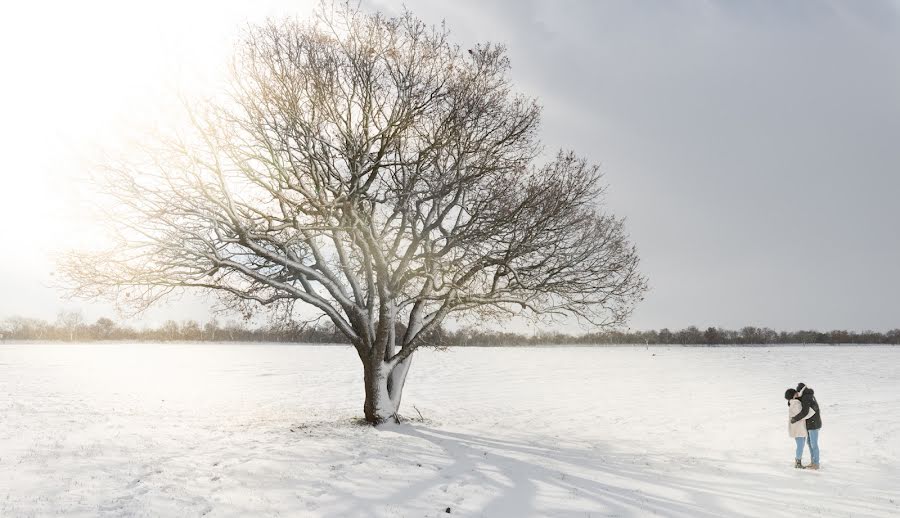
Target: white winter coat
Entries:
(797, 429)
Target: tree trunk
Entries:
(384, 388)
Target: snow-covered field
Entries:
(269, 430)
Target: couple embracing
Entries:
(805, 422)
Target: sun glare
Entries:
(82, 80)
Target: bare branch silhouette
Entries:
(365, 166)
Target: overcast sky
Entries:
(754, 147)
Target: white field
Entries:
(267, 430)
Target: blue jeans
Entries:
(800, 441)
(813, 440)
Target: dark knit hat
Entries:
(800, 386)
(790, 393)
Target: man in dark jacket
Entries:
(808, 401)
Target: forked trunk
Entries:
(384, 388)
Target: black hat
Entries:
(800, 386)
(790, 393)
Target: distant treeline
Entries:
(692, 335)
(71, 327)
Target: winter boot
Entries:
(797, 464)
(814, 465)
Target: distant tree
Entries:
(750, 335)
(69, 322)
(712, 336)
(665, 336)
(893, 337)
(806, 337)
(170, 330)
(366, 167)
(103, 328)
(768, 336)
(839, 337)
(690, 335)
(190, 330)
(234, 331)
(211, 330)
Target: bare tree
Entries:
(366, 167)
(69, 322)
(103, 328)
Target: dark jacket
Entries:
(808, 400)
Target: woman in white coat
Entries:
(797, 430)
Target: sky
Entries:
(754, 147)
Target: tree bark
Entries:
(384, 388)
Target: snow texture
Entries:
(272, 430)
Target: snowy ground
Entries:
(194, 430)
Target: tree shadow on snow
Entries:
(594, 481)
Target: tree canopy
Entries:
(365, 166)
